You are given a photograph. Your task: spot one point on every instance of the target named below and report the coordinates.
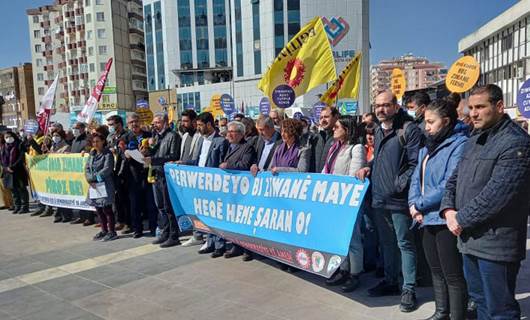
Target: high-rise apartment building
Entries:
(205, 48)
(74, 39)
(419, 73)
(16, 89)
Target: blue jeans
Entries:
(399, 248)
(491, 285)
(354, 262)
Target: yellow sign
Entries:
(145, 115)
(105, 106)
(304, 63)
(215, 107)
(463, 74)
(398, 83)
(348, 83)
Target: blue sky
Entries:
(428, 28)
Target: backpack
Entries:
(401, 133)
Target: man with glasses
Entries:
(397, 142)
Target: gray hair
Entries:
(162, 115)
(266, 122)
(133, 116)
(238, 125)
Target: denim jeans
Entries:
(354, 262)
(399, 249)
(491, 286)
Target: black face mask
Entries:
(433, 141)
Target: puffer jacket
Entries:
(438, 169)
(489, 190)
(166, 149)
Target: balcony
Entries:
(136, 15)
(138, 46)
(48, 67)
(81, 44)
(135, 29)
(80, 27)
(45, 24)
(46, 39)
(47, 53)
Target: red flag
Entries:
(91, 104)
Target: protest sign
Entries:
(59, 180)
(145, 116)
(303, 220)
(462, 75)
(398, 83)
(264, 106)
(523, 99)
(228, 104)
(31, 126)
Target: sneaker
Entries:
(111, 236)
(100, 235)
(384, 289)
(408, 301)
(192, 242)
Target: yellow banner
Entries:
(59, 179)
(348, 83)
(304, 63)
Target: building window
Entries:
(184, 22)
(35, 19)
(40, 77)
(101, 34)
(102, 50)
(41, 91)
(89, 35)
(88, 18)
(257, 42)
(149, 49)
(220, 39)
(87, 3)
(239, 39)
(99, 2)
(279, 39)
(201, 31)
(507, 42)
(100, 16)
(38, 62)
(293, 18)
(36, 33)
(102, 66)
(92, 68)
(90, 51)
(38, 48)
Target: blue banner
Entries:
(302, 219)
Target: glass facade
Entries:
(151, 84)
(257, 42)
(201, 33)
(239, 38)
(159, 40)
(293, 18)
(219, 29)
(190, 99)
(184, 22)
(279, 38)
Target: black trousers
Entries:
(169, 228)
(445, 262)
(121, 203)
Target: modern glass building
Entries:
(205, 48)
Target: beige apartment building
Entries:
(74, 39)
(16, 89)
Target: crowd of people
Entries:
(447, 202)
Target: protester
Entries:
(416, 107)
(277, 117)
(99, 174)
(369, 118)
(445, 141)
(290, 156)
(269, 139)
(7, 196)
(370, 141)
(239, 117)
(251, 132)
(345, 157)
(486, 205)
(324, 139)
(222, 126)
(14, 174)
(59, 145)
(166, 148)
(396, 155)
(192, 138)
(239, 156)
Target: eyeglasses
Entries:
(383, 105)
(232, 131)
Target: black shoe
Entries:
(17, 209)
(23, 211)
(471, 312)
(100, 235)
(170, 243)
(247, 256)
(337, 279)
(233, 253)
(380, 273)
(36, 213)
(217, 253)
(408, 301)
(67, 219)
(384, 289)
(127, 231)
(47, 213)
(11, 208)
(58, 219)
(351, 284)
(137, 235)
(159, 240)
(205, 251)
(111, 236)
(77, 221)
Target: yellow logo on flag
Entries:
(304, 63)
(348, 83)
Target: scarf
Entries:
(332, 156)
(286, 157)
(9, 154)
(433, 141)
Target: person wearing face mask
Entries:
(416, 108)
(7, 196)
(444, 146)
(59, 145)
(14, 174)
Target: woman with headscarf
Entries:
(14, 175)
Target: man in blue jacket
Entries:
(397, 142)
(486, 204)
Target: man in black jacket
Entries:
(397, 142)
(165, 149)
(323, 139)
(486, 204)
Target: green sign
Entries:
(109, 90)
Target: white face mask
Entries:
(412, 114)
(10, 140)
(76, 132)
(56, 139)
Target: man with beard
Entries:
(323, 139)
(191, 139)
(397, 142)
(416, 108)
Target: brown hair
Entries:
(293, 127)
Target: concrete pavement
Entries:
(55, 271)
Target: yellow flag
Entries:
(348, 83)
(304, 63)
